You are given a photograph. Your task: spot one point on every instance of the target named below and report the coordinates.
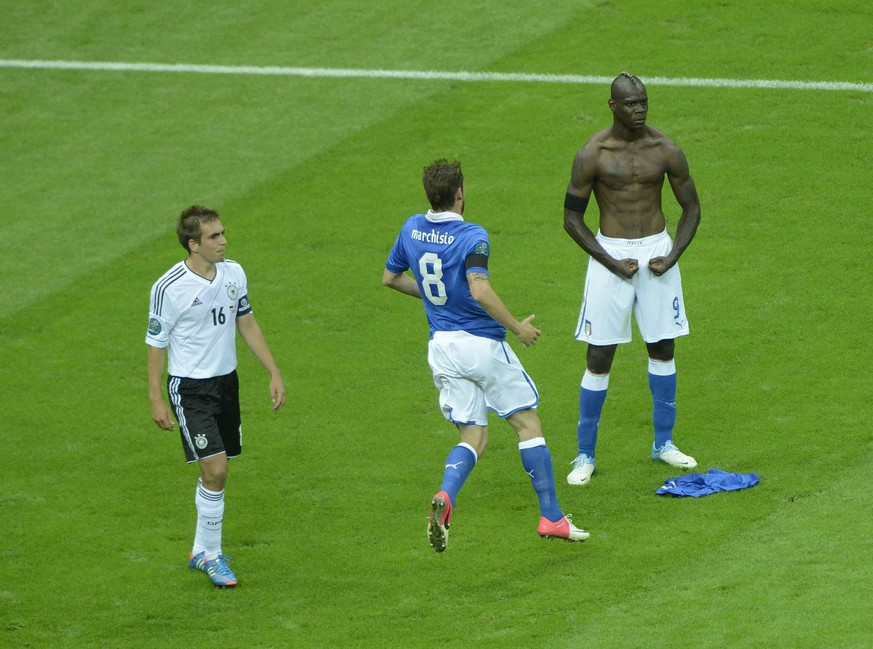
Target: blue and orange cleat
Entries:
(218, 569)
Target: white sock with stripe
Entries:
(210, 515)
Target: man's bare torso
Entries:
(628, 180)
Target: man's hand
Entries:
(277, 392)
(162, 415)
(527, 334)
(659, 265)
(626, 268)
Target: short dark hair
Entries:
(441, 181)
(623, 80)
(190, 225)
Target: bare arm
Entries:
(401, 282)
(161, 413)
(484, 294)
(686, 195)
(254, 337)
(578, 193)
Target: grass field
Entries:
(313, 176)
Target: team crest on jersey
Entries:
(481, 248)
(200, 442)
(154, 326)
(232, 291)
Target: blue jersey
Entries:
(436, 246)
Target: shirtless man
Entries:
(632, 265)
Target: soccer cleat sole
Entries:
(437, 535)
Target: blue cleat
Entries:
(218, 569)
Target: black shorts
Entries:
(208, 414)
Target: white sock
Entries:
(210, 514)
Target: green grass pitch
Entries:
(326, 510)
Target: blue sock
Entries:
(459, 463)
(592, 394)
(662, 383)
(537, 462)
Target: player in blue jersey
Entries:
(633, 265)
(473, 367)
(196, 309)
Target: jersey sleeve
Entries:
(243, 306)
(162, 316)
(397, 262)
(476, 258)
(477, 261)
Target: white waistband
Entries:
(632, 242)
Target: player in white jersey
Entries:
(195, 310)
(473, 367)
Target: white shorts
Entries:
(476, 374)
(608, 301)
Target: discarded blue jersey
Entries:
(703, 484)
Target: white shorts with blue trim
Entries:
(475, 374)
(609, 300)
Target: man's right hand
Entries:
(162, 415)
(626, 268)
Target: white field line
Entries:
(343, 73)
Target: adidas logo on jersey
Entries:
(196, 302)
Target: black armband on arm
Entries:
(476, 261)
(575, 203)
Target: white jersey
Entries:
(196, 318)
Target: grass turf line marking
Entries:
(344, 73)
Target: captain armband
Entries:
(575, 203)
(476, 261)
